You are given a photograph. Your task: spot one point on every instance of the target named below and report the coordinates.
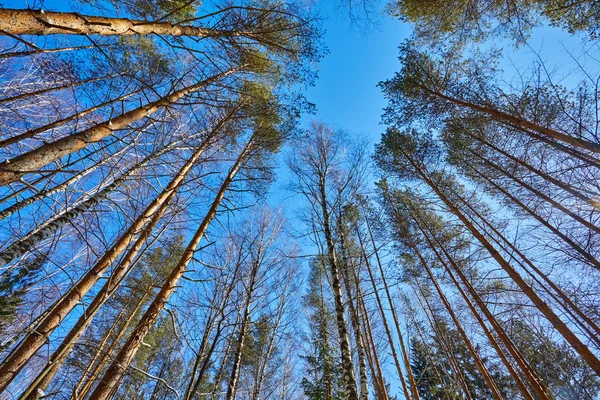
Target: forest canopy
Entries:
(174, 225)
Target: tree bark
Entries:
(42, 22)
(350, 388)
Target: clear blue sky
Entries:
(346, 93)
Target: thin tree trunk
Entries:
(501, 116)
(525, 367)
(447, 347)
(49, 227)
(533, 190)
(122, 361)
(262, 368)
(591, 161)
(237, 359)
(28, 53)
(432, 363)
(42, 194)
(591, 259)
(411, 377)
(32, 161)
(52, 125)
(556, 293)
(354, 320)
(93, 375)
(383, 316)
(541, 174)
(478, 362)
(28, 185)
(53, 88)
(194, 386)
(44, 378)
(368, 333)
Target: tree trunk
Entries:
(368, 334)
(32, 342)
(565, 302)
(350, 388)
(122, 361)
(12, 170)
(411, 377)
(237, 359)
(51, 89)
(28, 53)
(42, 194)
(478, 362)
(52, 125)
(38, 22)
(49, 227)
(383, 316)
(541, 174)
(525, 367)
(446, 347)
(591, 259)
(539, 194)
(354, 319)
(501, 116)
(541, 305)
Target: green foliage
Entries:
(567, 376)
(431, 363)
(179, 10)
(14, 285)
(462, 21)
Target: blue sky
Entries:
(346, 93)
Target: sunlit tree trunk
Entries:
(36, 131)
(37, 22)
(122, 361)
(12, 170)
(506, 118)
